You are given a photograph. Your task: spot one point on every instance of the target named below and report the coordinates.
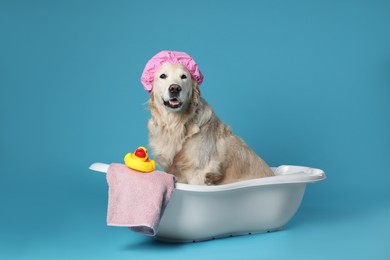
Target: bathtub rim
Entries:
(284, 174)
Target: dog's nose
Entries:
(174, 89)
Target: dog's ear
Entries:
(195, 93)
(152, 104)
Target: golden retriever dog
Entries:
(187, 138)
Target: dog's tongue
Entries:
(174, 102)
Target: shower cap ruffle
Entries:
(173, 57)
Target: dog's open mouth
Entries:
(173, 103)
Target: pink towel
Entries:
(137, 200)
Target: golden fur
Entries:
(190, 142)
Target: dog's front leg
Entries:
(213, 173)
(213, 178)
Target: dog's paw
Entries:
(213, 178)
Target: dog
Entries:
(186, 137)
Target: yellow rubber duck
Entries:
(139, 160)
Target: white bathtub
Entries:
(197, 213)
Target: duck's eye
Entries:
(163, 76)
(183, 76)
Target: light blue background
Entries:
(302, 82)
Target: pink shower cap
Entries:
(173, 57)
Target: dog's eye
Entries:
(183, 76)
(163, 76)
